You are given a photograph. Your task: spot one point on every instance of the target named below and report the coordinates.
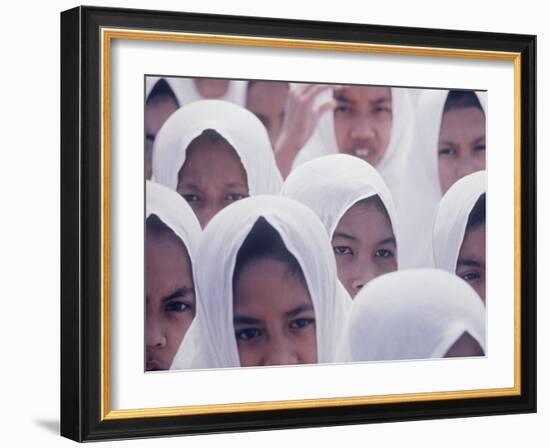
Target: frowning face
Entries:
(211, 178)
(273, 316)
(362, 121)
(461, 148)
(170, 298)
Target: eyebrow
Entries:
(339, 96)
(298, 310)
(245, 320)
(235, 183)
(479, 139)
(180, 292)
(346, 236)
(390, 240)
(468, 262)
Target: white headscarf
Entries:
(303, 235)
(175, 213)
(452, 216)
(323, 140)
(411, 314)
(241, 128)
(331, 185)
(420, 192)
(185, 90)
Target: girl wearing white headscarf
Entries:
(423, 184)
(331, 185)
(173, 234)
(452, 225)
(215, 330)
(414, 314)
(246, 166)
(323, 140)
(186, 91)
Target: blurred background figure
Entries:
(449, 144)
(268, 284)
(160, 103)
(267, 100)
(459, 231)
(356, 207)
(414, 314)
(171, 236)
(214, 153)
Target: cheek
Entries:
(446, 176)
(306, 345)
(341, 129)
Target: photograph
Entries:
(293, 223)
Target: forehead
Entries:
(166, 255)
(473, 245)
(266, 287)
(217, 161)
(363, 93)
(272, 89)
(364, 218)
(463, 120)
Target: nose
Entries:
(154, 336)
(362, 129)
(362, 274)
(281, 351)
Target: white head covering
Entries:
(323, 140)
(186, 91)
(411, 314)
(452, 216)
(303, 235)
(175, 213)
(419, 195)
(241, 128)
(331, 185)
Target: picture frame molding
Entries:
(86, 34)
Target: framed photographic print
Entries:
(274, 223)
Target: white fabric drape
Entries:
(186, 91)
(175, 213)
(212, 337)
(331, 185)
(420, 192)
(452, 216)
(241, 128)
(411, 314)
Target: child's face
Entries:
(211, 178)
(461, 147)
(362, 121)
(273, 316)
(170, 300)
(364, 246)
(470, 265)
(212, 88)
(157, 111)
(267, 100)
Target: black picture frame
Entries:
(81, 224)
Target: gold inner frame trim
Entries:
(107, 35)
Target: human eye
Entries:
(343, 108)
(247, 334)
(303, 322)
(191, 197)
(382, 109)
(342, 250)
(470, 276)
(235, 196)
(480, 147)
(383, 253)
(177, 306)
(447, 151)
